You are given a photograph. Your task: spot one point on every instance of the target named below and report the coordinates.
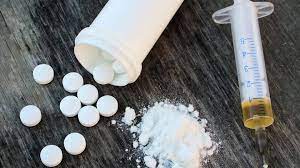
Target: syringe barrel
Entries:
(248, 52)
(250, 65)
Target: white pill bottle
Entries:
(122, 35)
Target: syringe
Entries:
(254, 91)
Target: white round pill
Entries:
(88, 116)
(103, 74)
(72, 82)
(74, 143)
(51, 155)
(107, 106)
(87, 94)
(30, 115)
(43, 74)
(118, 67)
(70, 106)
(120, 80)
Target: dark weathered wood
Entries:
(193, 62)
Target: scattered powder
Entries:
(135, 144)
(171, 136)
(190, 108)
(150, 161)
(113, 122)
(129, 116)
(143, 139)
(181, 107)
(133, 129)
(196, 114)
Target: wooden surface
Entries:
(193, 62)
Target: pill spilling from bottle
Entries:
(30, 115)
(72, 82)
(74, 143)
(43, 74)
(51, 155)
(81, 106)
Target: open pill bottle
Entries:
(122, 35)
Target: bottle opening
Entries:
(91, 57)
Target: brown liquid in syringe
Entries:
(257, 113)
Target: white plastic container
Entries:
(124, 31)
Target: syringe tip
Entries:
(262, 145)
(261, 139)
(265, 163)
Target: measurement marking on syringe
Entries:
(251, 69)
(258, 83)
(255, 83)
(260, 92)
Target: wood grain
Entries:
(192, 62)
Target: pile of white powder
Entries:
(170, 136)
